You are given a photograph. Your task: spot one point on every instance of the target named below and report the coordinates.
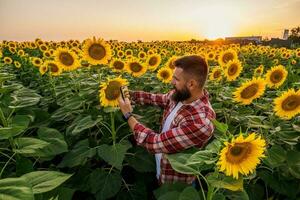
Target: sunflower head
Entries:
(259, 70)
(37, 61)
(53, 68)
(7, 60)
(216, 74)
(17, 64)
(276, 76)
(288, 104)
(170, 62)
(117, 65)
(67, 59)
(153, 61)
(110, 91)
(43, 69)
(165, 74)
(233, 69)
(241, 155)
(96, 51)
(135, 67)
(249, 91)
(227, 56)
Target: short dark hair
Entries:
(195, 66)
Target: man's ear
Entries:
(192, 83)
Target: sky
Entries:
(147, 20)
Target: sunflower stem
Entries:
(112, 126)
(203, 193)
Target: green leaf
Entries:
(169, 187)
(293, 161)
(188, 163)
(23, 165)
(29, 146)
(275, 156)
(115, 154)
(84, 123)
(238, 195)
(15, 189)
(189, 193)
(220, 126)
(78, 155)
(57, 144)
(226, 182)
(174, 195)
(59, 193)
(19, 124)
(142, 160)
(105, 185)
(24, 98)
(44, 181)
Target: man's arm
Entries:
(141, 97)
(174, 140)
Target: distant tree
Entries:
(295, 35)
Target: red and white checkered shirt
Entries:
(192, 126)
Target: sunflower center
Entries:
(165, 75)
(53, 67)
(66, 58)
(112, 91)
(249, 91)
(258, 71)
(135, 67)
(153, 61)
(217, 74)
(227, 57)
(97, 51)
(238, 152)
(291, 103)
(232, 69)
(118, 65)
(142, 55)
(276, 76)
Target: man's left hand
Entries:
(125, 105)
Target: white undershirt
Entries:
(166, 127)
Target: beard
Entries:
(181, 95)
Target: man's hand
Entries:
(125, 105)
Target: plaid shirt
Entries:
(191, 126)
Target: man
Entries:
(187, 118)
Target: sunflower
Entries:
(241, 155)
(53, 67)
(37, 62)
(165, 74)
(288, 104)
(276, 76)
(170, 62)
(135, 67)
(117, 65)
(43, 69)
(67, 59)
(7, 60)
(129, 52)
(110, 91)
(249, 91)
(233, 69)
(21, 52)
(43, 47)
(142, 55)
(120, 54)
(293, 62)
(226, 56)
(96, 51)
(153, 61)
(259, 70)
(17, 64)
(216, 74)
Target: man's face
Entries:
(179, 82)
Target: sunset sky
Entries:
(131, 20)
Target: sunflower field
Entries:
(62, 135)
